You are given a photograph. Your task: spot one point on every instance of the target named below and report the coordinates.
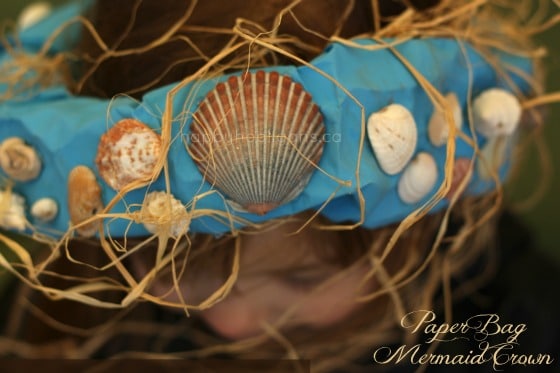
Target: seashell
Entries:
(492, 157)
(33, 13)
(438, 127)
(496, 112)
(44, 209)
(128, 152)
(418, 178)
(12, 210)
(163, 212)
(84, 199)
(392, 133)
(19, 160)
(460, 172)
(257, 138)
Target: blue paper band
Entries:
(66, 129)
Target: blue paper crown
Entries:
(348, 82)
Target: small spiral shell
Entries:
(161, 212)
(19, 160)
(84, 199)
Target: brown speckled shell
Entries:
(84, 199)
(257, 137)
(127, 152)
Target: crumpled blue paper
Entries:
(65, 129)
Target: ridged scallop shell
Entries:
(418, 178)
(257, 138)
(12, 210)
(438, 128)
(460, 172)
(33, 13)
(496, 112)
(19, 160)
(84, 199)
(393, 134)
(44, 209)
(127, 152)
(161, 211)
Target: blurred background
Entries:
(540, 216)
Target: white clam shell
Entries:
(418, 178)
(44, 209)
(19, 160)
(438, 127)
(128, 152)
(496, 112)
(257, 137)
(161, 212)
(33, 13)
(492, 157)
(393, 135)
(12, 211)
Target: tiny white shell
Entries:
(393, 134)
(492, 157)
(19, 160)
(12, 211)
(33, 13)
(418, 178)
(438, 128)
(44, 209)
(161, 212)
(496, 112)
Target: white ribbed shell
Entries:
(257, 137)
(392, 133)
(418, 178)
(496, 112)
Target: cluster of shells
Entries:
(393, 136)
(21, 163)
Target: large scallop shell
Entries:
(129, 151)
(163, 212)
(438, 128)
(496, 112)
(257, 138)
(393, 134)
(418, 178)
(19, 160)
(84, 199)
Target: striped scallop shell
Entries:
(257, 137)
(418, 178)
(393, 134)
(128, 152)
(84, 199)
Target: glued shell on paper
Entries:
(19, 160)
(128, 152)
(12, 211)
(257, 137)
(44, 209)
(438, 128)
(393, 134)
(33, 13)
(163, 212)
(418, 178)
(460, 172)
(84, 199)
(496, 112)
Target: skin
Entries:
(277, 271)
